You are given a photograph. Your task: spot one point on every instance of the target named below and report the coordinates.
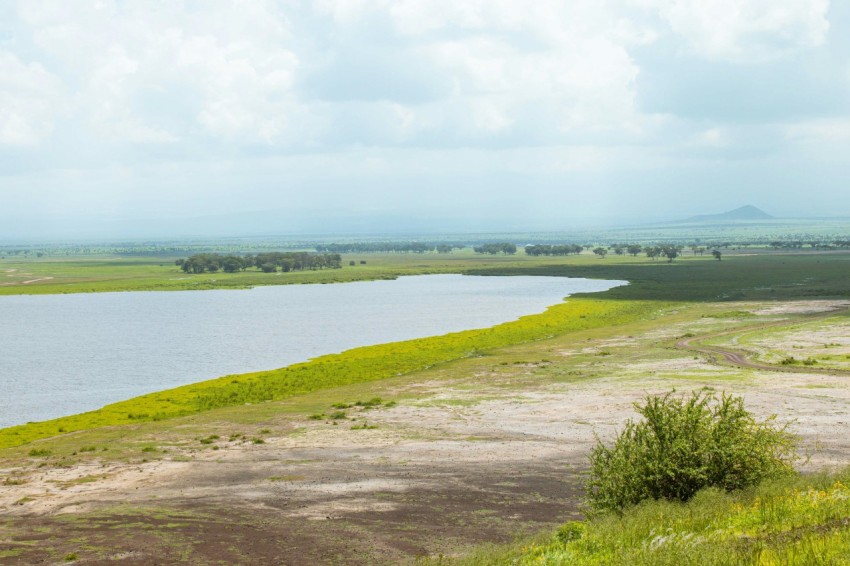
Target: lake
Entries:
(65, 354)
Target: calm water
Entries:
(64, 354)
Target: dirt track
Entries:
(740, 358)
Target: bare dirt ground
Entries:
(480, 452)
(18, 275)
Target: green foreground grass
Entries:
(801, 520)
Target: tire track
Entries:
(740, 358)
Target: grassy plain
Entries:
(50, 275)
(495, 407)
(799, 521)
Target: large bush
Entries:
(684, 444)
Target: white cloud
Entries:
(538, 70)
(31, 99)
(747, 30)
(230, 58)
(823, 131)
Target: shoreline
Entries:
(360, 364)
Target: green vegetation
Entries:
(390, 247)
(698, 481)
(793, 521)
(266, 262)
(684, 445)
(499, 248)
(555, 250)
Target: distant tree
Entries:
(556, 250)
(493, 249)
(268, 268)
(652, 252)
(671, 252)
(231, 264)
(601, 252)
(716, 254)
(634, 249)
(618, 250)
(352, 262)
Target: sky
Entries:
(225, 117)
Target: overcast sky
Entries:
(355, 115)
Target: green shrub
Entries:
(684, 444)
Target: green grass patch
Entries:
(796, 521)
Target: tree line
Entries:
(498, 248)
(388, 247)
(557, 250)
(266, 262)
(669, 251)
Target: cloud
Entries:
(31, 99)
(500, 71)
(226, 105)
(824, 131)
(230, 60)
(747, 31)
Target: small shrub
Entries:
(149, 449)
(338, 415)
(71, 557)
(573, 530)
(317, 417)
(258, 441)
(684, 444)
(39, 452)
(88, 449)
(789, 361)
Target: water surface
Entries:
(65, 354)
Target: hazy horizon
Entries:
(140, 120)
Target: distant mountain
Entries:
(744, 214)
